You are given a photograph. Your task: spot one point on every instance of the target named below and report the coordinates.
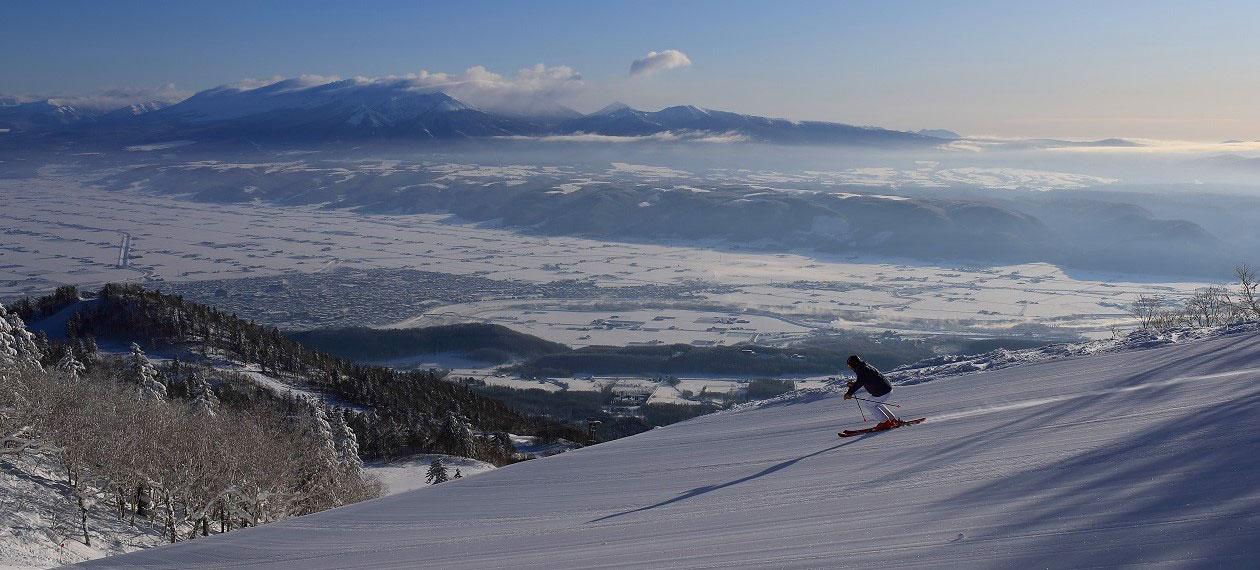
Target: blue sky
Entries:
(1072, 69)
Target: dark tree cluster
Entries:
(407, 409)
(31, 309)
(481, 341)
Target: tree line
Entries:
(1208, 307)
(479, 341)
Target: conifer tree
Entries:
(504, 446)
(142, 372)
(18, 347)
(455, 437)
(8, 342)
(204, 402)
(323, 432)
(437, 472)
(347, 443)
(87, 347)
(71, 367)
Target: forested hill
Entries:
(538, 357)
(406, 407)
(479, 341)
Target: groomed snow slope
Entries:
(1147, 457)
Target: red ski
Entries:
(853, 432)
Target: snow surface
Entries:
(407, 473)
(39, 523)
(1137, 457)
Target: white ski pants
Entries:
(875, 409)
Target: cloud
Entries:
(1128, 146)
(112, 98)
(533, 90)
(659, 61)
(928, 175)
(248, 84)
(529, 88)
(1158, 146)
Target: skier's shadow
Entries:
(710, 488)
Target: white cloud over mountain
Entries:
(533, 90)
(118, 97)
(658, 61)
(481, 87)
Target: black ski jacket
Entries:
(868, 377)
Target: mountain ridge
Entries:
(312, 110)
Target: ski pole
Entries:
(861, 411)
(884, 403)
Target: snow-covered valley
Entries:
(290, 266)
(1140, 457)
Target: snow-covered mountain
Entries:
(621, 120)
(611, 108)
(312, 109)
(134, 110)
(41, 115)
(537, 110)
(1132, 453)
(44, 115)
(296, 108)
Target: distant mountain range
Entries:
(17, 115)
(294, 109)
(43, 115)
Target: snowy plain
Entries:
(59, 230)
(1144, 456)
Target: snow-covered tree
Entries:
(70, 366)
(347, 443)
(18, 347)
(15, 426)
(8, 344)
(437, 472)
(204, 402)
(322, 432)
(87, 347)
(142, 372)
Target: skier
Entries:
(877, 387)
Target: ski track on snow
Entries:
(1043, 401)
